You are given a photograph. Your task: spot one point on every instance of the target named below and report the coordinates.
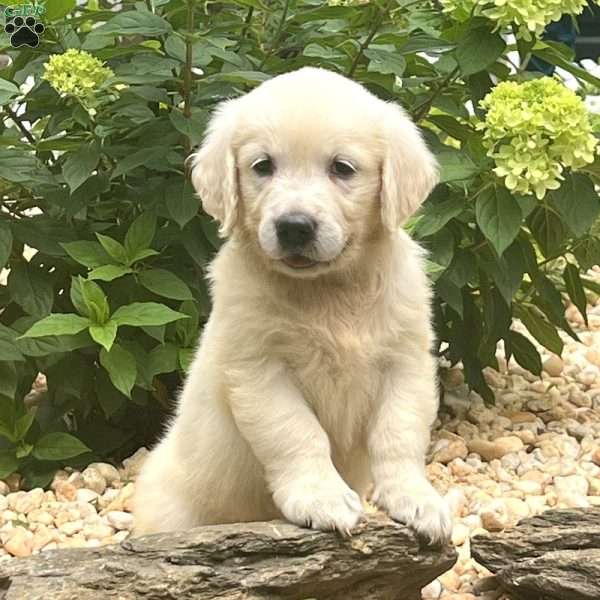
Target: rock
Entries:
(596, 457)
(554, 366)
(495, 449)
(20, 543)
(4, 489)
(76, 480)
(457, 449)
(123, 500)
(433, 591)
(65, 491)
(572, 484)
(494, 516)
(109, 473)
(189, 564)
(40, 516)
(98, 531)
(13, 482)
(93, 480)
(85, 495)
(25, 502)
(133, 464)
(119, 519)
(460, 534)
(555, 555)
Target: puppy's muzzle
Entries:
(295, 231)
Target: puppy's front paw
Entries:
(321, 503)
(419, 507)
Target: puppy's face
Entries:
(305, 168)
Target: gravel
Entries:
(537, 448)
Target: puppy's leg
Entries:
(398, 438)
(159, 503)
(289, 442)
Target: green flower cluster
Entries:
(529, 16)
(533, 131)
(75, 73)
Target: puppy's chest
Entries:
(337, 363)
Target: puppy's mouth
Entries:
(298, 261)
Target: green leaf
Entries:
(499, 217)
(575, 289)
(8, 389)
(8, 463)
(58, 446)
(8, 91)
(88, 254)
(385, 60)
(95, 301)
(578, 203)
(120, 366)
(525, 352)
(192, 127)
(104, 334)
(146, 313)
(6, 241)
(135, 22)
(58, 324)
(140, 234)
(547, 229)
(29, 288)
(456, 166)
(79, 166)
(436, 215)
(539, 328)
(141, 254)
(164, 283)
(114, 249)
(23, 424)
(163, 359)
(186, 357)
(57, 9)
(181, 201)
(145, 156)
(109, 272)
(478, 49)
(8, 348)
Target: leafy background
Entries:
(99, 190)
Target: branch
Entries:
(13, 115)
(369, 38)
(251, 561)
(187, 73)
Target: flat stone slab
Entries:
(267, 560)
(554, 556)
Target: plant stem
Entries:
(273, 45)
(13, 115)
(369, 38)
(187, 73)
(422, 110)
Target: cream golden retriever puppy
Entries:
(314, 377)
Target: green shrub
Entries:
(92, 149)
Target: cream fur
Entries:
(308, 385)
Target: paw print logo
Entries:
(24, 32)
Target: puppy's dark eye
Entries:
(342, 168)
(263, 166)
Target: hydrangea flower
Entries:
(75, 73)
(533, 131)
(529, 16)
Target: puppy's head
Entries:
(308, 167)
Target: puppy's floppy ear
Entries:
(409, 171)
(214, 174)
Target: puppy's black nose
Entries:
(295, 231)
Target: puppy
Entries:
(314, 378)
